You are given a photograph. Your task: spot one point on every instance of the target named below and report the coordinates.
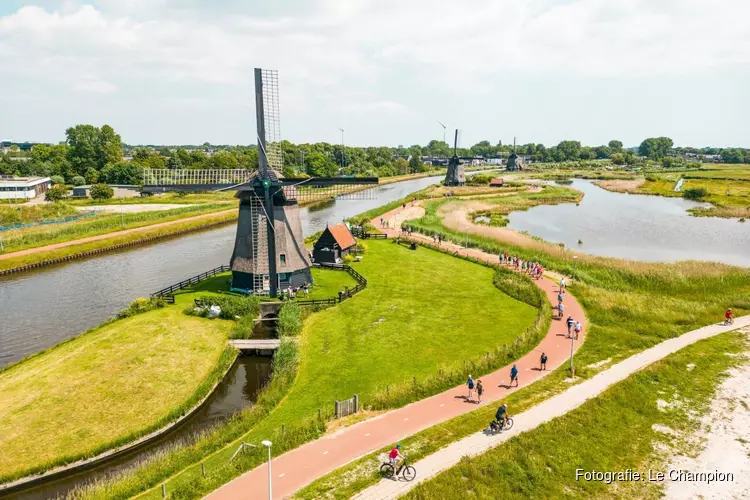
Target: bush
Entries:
(102, 192)
(290, 320)
(141, 305)
(56, 193)
(479, 180)
(243, 329)
(78, 180)
(57, 179)
(694, 193)
(233, 306)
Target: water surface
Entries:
(637, 227)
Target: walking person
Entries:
(470, 385)
(559, 297)
(570, 322)
(514, 375)
(480, 390)
(560, 308)
(562, 285)
(543, 362)
(577, 329)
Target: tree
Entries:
(320, 165)
(695, 193)
(415, 164)
(656, 148)
(437, 148)
(617, 158)
(602, 152)
(92, 176)
(569, 150)
(102, 192)
(83, 148)
(56, 193)
(57, 179)
(78, 180)
(223, 159)
(586, 153)
(174, 163)
(110, 146)
(483, 148)
(128, 173)
(615, 146)
(402, 166)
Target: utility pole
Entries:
(572, 369)
(267, 444)
(343, 154)
(122, 216)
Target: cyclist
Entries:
(729, 317)
(394, 456)
(500, 415)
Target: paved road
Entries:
(303, 465)
(556, 406)
(111, 235)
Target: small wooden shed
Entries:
(335, 242)
(496, 182)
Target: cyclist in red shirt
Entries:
(395, 455)
(729, 317)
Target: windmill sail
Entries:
(455, 176)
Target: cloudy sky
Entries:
(169, 71)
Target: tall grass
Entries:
(290, 320)
(27, 214)
(20, 239)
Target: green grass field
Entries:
(106, 387)
(445, 309)
(613, 432)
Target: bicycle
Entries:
(507, 425)
(407, 471)
(729, 321)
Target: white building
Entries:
(23, 188)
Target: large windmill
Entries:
(455, 175)
(269, 249)
(515, 164)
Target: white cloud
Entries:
(95, 86)
(352, 53)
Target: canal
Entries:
(637, 227)
(40, 308)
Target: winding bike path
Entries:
(297, 468)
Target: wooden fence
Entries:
(168, 293)
(343, 294)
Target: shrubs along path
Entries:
(297, 468)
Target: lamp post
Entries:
(267, 444)
(572, 369)
(122, 216)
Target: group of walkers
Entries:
(437, 238)
(533, 269)
(384, 223)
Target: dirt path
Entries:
(131, 208)
(303, 465)
(727, 444)
(110, 235)
(557, 406)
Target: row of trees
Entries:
(95, 155)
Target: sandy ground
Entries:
(727, 443)
(129, 208)
(454, 216)
(621, 186)
(411, 212)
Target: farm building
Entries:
(496, 182)
(22, 188)
(335, 242)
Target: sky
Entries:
(386, 71)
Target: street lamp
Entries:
(267, 444)
(572, 369)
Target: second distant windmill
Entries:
(455, 175)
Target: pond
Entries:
(637, 227)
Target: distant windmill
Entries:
(515, 164)
(455, 175)
(269, 248)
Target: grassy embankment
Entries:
(727, 188)
(614, 432)
(630, 306)
(37, 236)
(11, 215)
(357, 347)
(106, 387)
(145, 233)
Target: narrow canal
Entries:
(38, 309)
